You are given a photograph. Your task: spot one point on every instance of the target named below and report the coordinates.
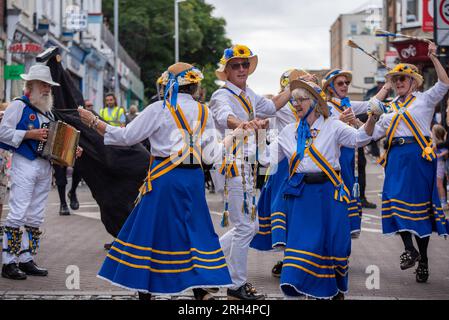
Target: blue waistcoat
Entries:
(28, 121)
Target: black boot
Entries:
(31, 269)
(12, 271)
(74, 204)
(422, 272)
(277, 269)
(202, 294)
(144, 296)
(408, 259)
(64, 210)
(368, 205)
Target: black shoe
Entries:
(368, 205)
(422, 272)
(355, 235)
(277, 269)
(202, 294)
(64, 210)
(31, 269)
(409, 259)
(339, 296)
(74, 204)
(12, 271)
(144, 296)
(245, 292)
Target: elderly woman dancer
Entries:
(272, 206)
(410, 202)
(168, 243)
(336, 85)
(318, 238)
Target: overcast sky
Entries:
(283, 33)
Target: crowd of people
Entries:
(310, 136)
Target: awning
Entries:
(412, 51)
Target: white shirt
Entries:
(283, 118)
(358, 107)
(422, 110)
(332, 134)
(156, 124)
(12, 116)
(223, 104)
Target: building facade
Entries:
(407, 17)
(76, 28)
(358, 26)
(2, 46)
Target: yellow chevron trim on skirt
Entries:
(136, 266)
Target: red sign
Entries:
(22, 48)
(412, 51)
(428, 9)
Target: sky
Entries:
(284, 34)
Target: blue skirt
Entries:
(347, 163)
(410, 199)
(271, 212)
(168, 243)
(318, 247)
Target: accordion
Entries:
(61, 144)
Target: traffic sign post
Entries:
(441, 25)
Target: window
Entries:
(369, 80)
(353, 29)
(411, 13)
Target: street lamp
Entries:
(177, 29)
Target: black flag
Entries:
(113, 174)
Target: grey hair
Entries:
(303, 93)
(28, 86)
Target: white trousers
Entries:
(30, 186)
(235, 243)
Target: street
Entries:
(75, 243)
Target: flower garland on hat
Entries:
(172, 83)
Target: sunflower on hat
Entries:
(188, 74)
(235, 52)
(406, 69)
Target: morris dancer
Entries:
(168, 244)
(231, 105)
(318, 240)
(336, 84)
(410, 201)
(271, 205)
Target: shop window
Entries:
(411, 13)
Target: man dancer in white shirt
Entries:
(231, 105)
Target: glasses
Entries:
(399, 78)
(342, 83)
(298, 101)
(236, 66)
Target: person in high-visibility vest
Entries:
(112, 113)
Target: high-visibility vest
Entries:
(114, 118)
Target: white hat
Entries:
(39, 72)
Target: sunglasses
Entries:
(399, 78)
(342, 83)
(236, 66)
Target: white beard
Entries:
(43, 103)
